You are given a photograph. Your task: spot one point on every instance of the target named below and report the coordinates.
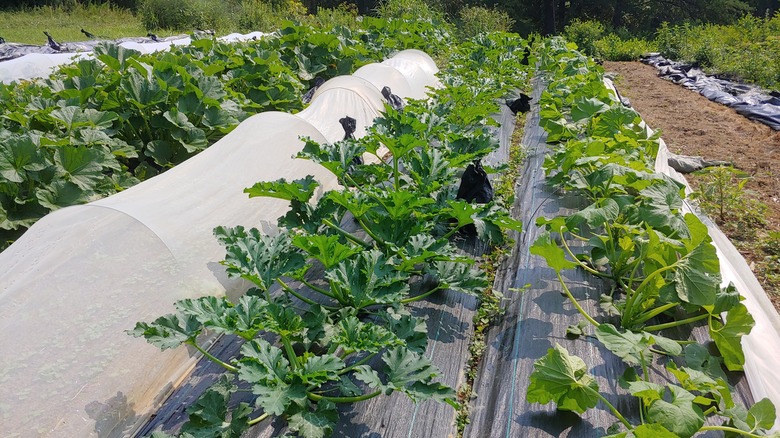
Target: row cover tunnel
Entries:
(82, 275)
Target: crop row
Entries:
(102, 125)
(660, 262)
(328, 320)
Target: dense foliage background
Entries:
(637, 17)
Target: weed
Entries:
(747, 49)
(768, 269)
(475, 20)
(721, 193)
(614, 48)
(584, 34)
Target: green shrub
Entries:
(584, 34)
(747, 50)
(187, 15)
(408, 9)
(613, 48)
(721, 193)
(345, 14)
(475, 20)
(266, 16)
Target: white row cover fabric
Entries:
(236, 37)
(382, 75)
(39, 65)
(339, 97)
(762, 345)
(156, 46)
(422, 59)
(359, 95)
(36, 65)
(82, 275)
(418, 78)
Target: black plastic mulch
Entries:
(537, 319)
(449, 319)
(747, 100)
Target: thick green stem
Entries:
(576, 260)
(632, 277)
(258, 419)
(357, 364)
(316, 288)
(578, 237)
(224, 365)
(421, 296)
(370, 233)
(644, 282)
(452, 231)
(685, 342)
(660, 352)
(308, 301)
(628, 313)
(610, 406)
(574, 301)
(728, 429)
(668, 325)
(346, 234)
(655, 312)
(396, 176)
(291, 356)
(355, 399)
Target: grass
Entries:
(27, 26)
(748, 49)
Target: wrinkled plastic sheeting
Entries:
(747, 100)
(688, 164)
(83, 275)
(30, 62)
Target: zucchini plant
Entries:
(327, 320)
(660, 262)
(99, 126)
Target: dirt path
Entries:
(692, 125)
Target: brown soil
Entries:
(690, 124)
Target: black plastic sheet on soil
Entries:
(747, 100)
(536, 319)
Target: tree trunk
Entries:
(548, 17)
(617, 16)
(561, 18)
